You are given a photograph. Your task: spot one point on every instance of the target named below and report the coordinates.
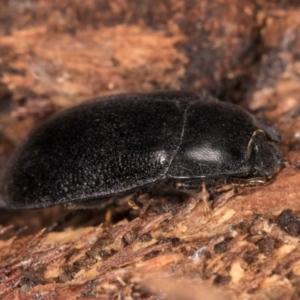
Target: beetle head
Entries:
(264, 157)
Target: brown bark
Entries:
(54, 54)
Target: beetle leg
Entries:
(223, 188)
(186, 185)
(256, 181)
(108, 217)
(203, 195)
(145, 207)
(133, 202)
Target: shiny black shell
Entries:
(113, 145)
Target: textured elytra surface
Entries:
(120, 144)
(251, 49)
(92, 151)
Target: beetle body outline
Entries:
(114, 145)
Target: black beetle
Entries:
(115, 145)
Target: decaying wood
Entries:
(54, 54)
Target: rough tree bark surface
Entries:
(54, 54)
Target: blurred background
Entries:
(54, 54)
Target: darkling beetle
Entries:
(116, 145)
